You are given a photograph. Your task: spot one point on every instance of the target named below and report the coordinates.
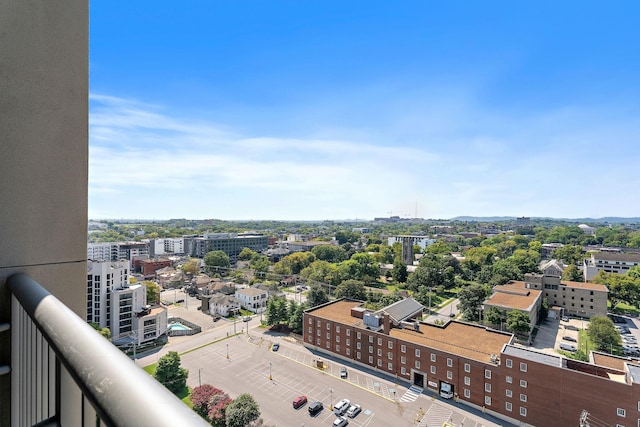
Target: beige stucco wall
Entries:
(44, 149)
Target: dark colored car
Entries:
(315, 407)
(299, 401)
(567, 338)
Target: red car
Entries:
(299, 401)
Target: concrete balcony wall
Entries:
(44, 160)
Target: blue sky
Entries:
(301, 110)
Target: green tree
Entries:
(170, 374)
(317, 296)
(471, 298)
(295, 321)
(330, 253)
(518, 322)
(153, 292)
(105, 332)
(276, 312)
(246, 254)
(603, 333)
(260, 264)
(322, 271)
(353, 289)
(572, 274)
(399, 272)
(544, 309)
(242, 411)
(569, 254)
(216, 259)
(192, 266)
(495, 316)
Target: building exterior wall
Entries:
(251, 300)
(576, 299)
(229, 243)
(44, 172)
(102, 278)
(523, 390)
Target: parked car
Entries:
(568, 347)
(341, 407)
(299, 401)
(568, 338)
(565, 319)
(315, 407)
(275, 347)
(343, 372)
(246, 318)
(340, 422)
(353, 411)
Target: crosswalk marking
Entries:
(435, 416)
(412, 394)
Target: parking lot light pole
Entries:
(227, 351)
(270, 377)
(331, 404)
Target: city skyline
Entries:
(290, 111)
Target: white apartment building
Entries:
(102, 278)
(253, 299)
(114, 251)
(166, 246)
(610, 262)
(422, 241)
(113, 303)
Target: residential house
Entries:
(224, 305)
(253, 299)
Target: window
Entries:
(403, 348)
(318, 341)
(621, 412)
(509, 379)
(523, 411)
(318, 332)
(337, 348)
(417, 352)
(508, 406)
(487, 400)
(523, 383)
(487, 373)
(358, 335)
(449, 362)
(467, 381)
(348, 341)
(358, 355)
(370, 349)
(310, 329)
(433, 357)
(379, 341)
(328, 344)
(467, 393)
(348, 332)
(370, 360)
(433, 370)
(403, 360)
(417, 364)
(390, 356)
(358, 345)
(509, 363)
(379, 362)
(390, 366)
(509, 393)
(328, 327)
(338, 329)
(310, 321)
(403, 370)
(328, 335)
(337, 339)
(371, 339)
(348, 352)
(487, 387)
(449, 375)
(380, 352)
(523, 397)
(467, 367)
(523, 367)
(390, 344)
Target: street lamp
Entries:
(199, 377)
(270, 377)
(331, 404)
(227, 351)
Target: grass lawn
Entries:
(622, 307)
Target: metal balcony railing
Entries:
(64, 373)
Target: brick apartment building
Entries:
(148, 267)
(478, 366)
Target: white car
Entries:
(341, 407)
(353, 411)
(340, 422)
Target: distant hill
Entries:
(606, 219)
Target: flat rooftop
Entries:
(534, 355)
(513, 297)
(470, 341)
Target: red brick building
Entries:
(148, 267)
(478, 366)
